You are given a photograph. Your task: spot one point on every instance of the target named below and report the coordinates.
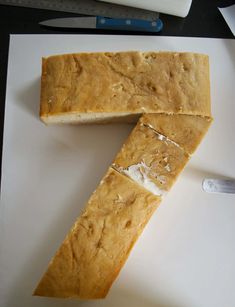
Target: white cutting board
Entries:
(172, 7)
(185, 257)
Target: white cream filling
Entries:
(139, 173)
(162, 137)
(167, 168)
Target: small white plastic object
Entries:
(173, 7)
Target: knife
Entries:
(218, 185)
(105, 23)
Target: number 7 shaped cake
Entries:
(168, 95)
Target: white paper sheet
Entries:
(229, 16)
(185, 257)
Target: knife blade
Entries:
(100, 22)
(218, 185)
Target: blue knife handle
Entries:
(128, 24)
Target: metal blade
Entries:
(71, 22)
(218, 185)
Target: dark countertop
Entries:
(204, 20)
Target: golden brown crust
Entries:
(185, 130)
(101, 87)
(43, 107)
(98, 244)
(148, 157)
(125, 82)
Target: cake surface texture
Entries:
(103, 87)
(168, 95)
(100, 241)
